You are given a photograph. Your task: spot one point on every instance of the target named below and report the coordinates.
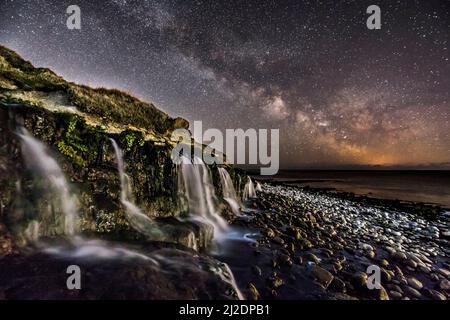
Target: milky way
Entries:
(340, 94)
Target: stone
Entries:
(416, 284)
(337, 285)
(395, 295)
(278, 241)
(382, 294)
(413, 293)
(435, 295)
(444, 272)
(384, 263)
(284, 259)
(270, 233)
(385, 275)
(275, 281)
(312, 257)
(257, 270)
(411, 263)
(399, 256)
(424, 268)
(444, 285)
(254, 292)
(359, 279)
(322, 276)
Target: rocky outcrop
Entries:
(75, 123)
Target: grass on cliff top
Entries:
(109, 104)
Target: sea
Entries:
(431, 187)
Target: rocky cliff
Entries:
(76, 123)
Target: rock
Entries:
(395, 295)
(384, 263)
(298, 234)
(416, 284)
(413, 293)
(305, 244)
(435, 295)
(253, 291)
(257, 270)
(444, 272)
(365, 247)
(390, 250)
(337, 285)
(385, 276)
(179, 275)
(284, 259)
(278, 241)
(411, 263)
(395, 287)
(359, 279)
(270, 233)
(444, 285)
(399, 256)
(382, 294)
(312, 257)
(322, 276)
(275, 281)
(424, 268)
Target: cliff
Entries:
(76, 123)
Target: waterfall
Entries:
(228, 191)
(199, 190)
(258, 187)
(249, 190)
(137, 219)
(44, 166)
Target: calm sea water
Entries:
(418, 186)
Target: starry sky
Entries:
(341, 94)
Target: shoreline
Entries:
(304, 253)
(298, 244)
(303, 184)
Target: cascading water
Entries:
(62, 218)
(249, 190)
(137, 219)
(258, 187)
(199, 190)
(228, 191)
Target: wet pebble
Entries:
(444, 285)
(253, 291)
(435, 295)
(416, 284)
(322, 276)
(395, 295)
(411, 292)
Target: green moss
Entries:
(72, 145)
(111, 222)
(70, 152)
(130, 138)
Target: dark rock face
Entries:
(87, 158)
(157, 273)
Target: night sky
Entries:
(339, 93)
